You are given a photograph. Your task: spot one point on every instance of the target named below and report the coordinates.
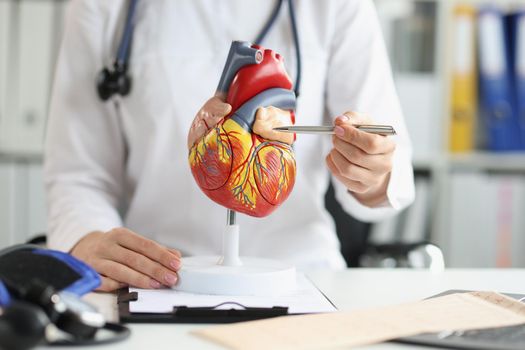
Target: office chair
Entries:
(358, 251)
(353, 234)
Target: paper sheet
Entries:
(451, 312)
(306, 299)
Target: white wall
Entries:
(30, 32)
(22, 202)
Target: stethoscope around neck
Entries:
(118, 80)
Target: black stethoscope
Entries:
(118, 81)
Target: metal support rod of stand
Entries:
(230, 220)
(230, 242)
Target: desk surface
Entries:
(349, 290)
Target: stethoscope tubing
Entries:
(120, 69)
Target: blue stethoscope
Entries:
(118, 81)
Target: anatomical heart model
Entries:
(239, 168)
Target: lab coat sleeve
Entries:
(359, 78)
(84, 149)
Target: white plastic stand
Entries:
(228, 275)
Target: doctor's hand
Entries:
(360, 160)
(266, 118)
(207, 117)
(124, 258)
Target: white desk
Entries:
(349, 290)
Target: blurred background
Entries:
(459, 67)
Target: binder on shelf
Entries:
(496, 97)
(516, 50)
(464, 84)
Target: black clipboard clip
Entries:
(240, 312)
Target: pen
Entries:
(384, 130)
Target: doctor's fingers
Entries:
(215, 107)
(109, 284)
(353, 171)
(175, 252)
(268, 118)
(140, 263)
(351, 185)
(207, 117)
(124, 274)
(151, 249)
(378, 163)
(212, 115)
(369, 143)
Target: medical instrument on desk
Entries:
(58, 319)
(384, 130)
(119, 81)
(40, 301)
(46, 316)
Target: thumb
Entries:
(220, 109)
(208, 116)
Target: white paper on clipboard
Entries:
(306, 299)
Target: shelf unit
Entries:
(440, 164)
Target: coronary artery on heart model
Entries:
(234, 166)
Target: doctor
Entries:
(120, 193)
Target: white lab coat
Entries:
(124, 162)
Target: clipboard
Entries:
(204, 314)
(223, 312)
